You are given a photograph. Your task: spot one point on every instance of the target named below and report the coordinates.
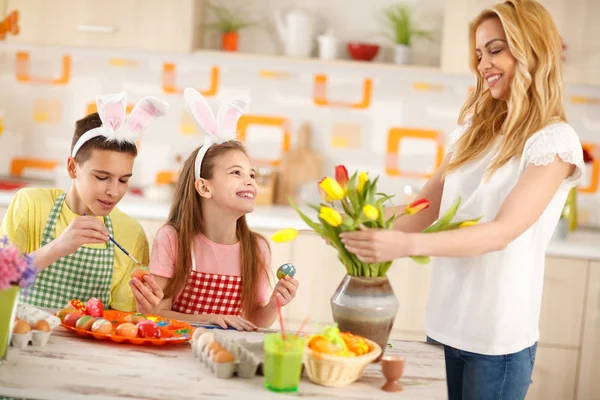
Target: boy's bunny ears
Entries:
(115, 126)
(217, 130)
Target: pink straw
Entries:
(302, 326)
(280, 317)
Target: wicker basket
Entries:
(336, 371)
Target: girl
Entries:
(512, 160)
(211, 266)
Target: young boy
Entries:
(68, 233)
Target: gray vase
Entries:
(366, 307)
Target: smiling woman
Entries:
(513, 159)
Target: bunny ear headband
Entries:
(112, 110)
(218, 130)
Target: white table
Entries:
(71, 367)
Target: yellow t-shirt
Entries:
(26, 219)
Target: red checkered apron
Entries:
(210, 294)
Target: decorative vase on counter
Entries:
(365, 306)
(9, 298)
(402, 54)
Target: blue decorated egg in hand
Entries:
(286, 269)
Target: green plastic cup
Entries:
(283, 362)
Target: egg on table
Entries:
(72, 318)
(127, 329)
(85, 322)
(137, 317)
(41, 325)
(102, 325)
(21, 327)
(148, 329)
(286, 269)
(223, 357)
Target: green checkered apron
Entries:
(86, 273)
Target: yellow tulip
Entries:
(331, 216)
(284, 235)
(332, 189)
(370, 212)
(467, 223)
(363, 178)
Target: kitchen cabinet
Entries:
(575, 20)
(589, 371)
(554, 374)
(144, 25)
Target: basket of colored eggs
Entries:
(91, 320)
(335, 359)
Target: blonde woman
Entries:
(512, 160)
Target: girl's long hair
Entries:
(186, 217)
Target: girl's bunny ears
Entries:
(218, 130)
(115, 126)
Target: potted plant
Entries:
(364, 303)
(228, 23)
(16, 273)
(401, 29)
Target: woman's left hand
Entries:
(147, 297)
(376, 245)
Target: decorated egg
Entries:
(42, 325)
(63, 313)
(76, 305)
(21, 327)
(140, 273)
(94, 307)
(127, 329)
(135, 318)
(85, 322)
(71, 319)
(148, 329)
(102, 325)
(286, 269)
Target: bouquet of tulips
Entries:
(351, 202)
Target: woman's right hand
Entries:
(82, 230)
(236, 322)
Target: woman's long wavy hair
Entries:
(535, 98)
(186, 218)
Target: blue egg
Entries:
(286, 269)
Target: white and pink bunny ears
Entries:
(112, 109)
(218, 130)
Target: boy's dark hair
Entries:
(98, 143)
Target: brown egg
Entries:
(41, 325)
(21, 327)
(212, 348)
(223, 357)
(127, 329)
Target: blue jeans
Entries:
(472, 376)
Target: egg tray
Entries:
(36, 338)
(245, 364)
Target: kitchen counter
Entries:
(579, 245)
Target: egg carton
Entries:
(244, 365)
(36, 338)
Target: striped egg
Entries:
(102, 325)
